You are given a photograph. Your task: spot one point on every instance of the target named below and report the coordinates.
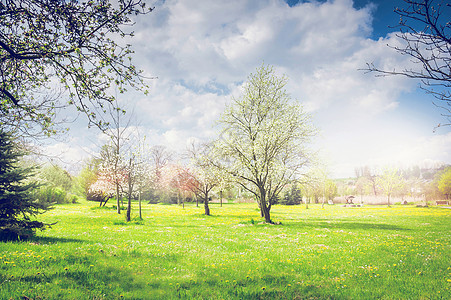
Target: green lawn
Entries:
(333, 252)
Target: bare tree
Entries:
(205, 173)
(425, 30)
(114, 162)
(160, 157)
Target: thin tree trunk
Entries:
(139, 201)
(129, 208)
(220, 193)
(130, 192)
(117, 199)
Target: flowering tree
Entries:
(105, 187)
(207, 172)
(177, 179)
(113, 167)
(139, 173)
(101, 190)
(263, 138)
(390, 182)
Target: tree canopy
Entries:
(263, 137)
(69, 44)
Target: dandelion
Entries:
(263, 288)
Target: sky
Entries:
(202, 51)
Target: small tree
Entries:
(206, 174)
(390, 182)
(444, 182)
(102, 189)
(330, 189)
(292, 196)
(17, 206)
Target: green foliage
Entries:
(17, 205)
(292, 196)
(444, 182)
(56, 176)
(390, 182)
(75, 42)
(49, 195)
(86, 177)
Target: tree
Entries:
(87, 177)
(142, 172)
(263, 138)
(102, 189)
(113, 154)
(444, 182)
(205, 175)
(75, 43)
(390, 182)
(292, 196)
(363, 186)
(330, 189)
(425, 32)
(56, 176)
(176, 179)
(160, 157)
(17, 205)
(112, 167)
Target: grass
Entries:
(373, 252)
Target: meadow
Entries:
(372, 252)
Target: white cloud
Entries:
(202, 51)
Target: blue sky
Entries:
(202, 51)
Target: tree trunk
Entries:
(106, 200)
(206, 207)
(117, 199)
(220, 193)
(139, 201)
(264, 209)
(130, 193)
(129, 208)
(266, 214)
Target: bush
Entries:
(53, 195)
(292, 197)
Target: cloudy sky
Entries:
(203, 50)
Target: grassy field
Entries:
(372, 252)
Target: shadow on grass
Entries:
(53, 240)
(345, 225)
